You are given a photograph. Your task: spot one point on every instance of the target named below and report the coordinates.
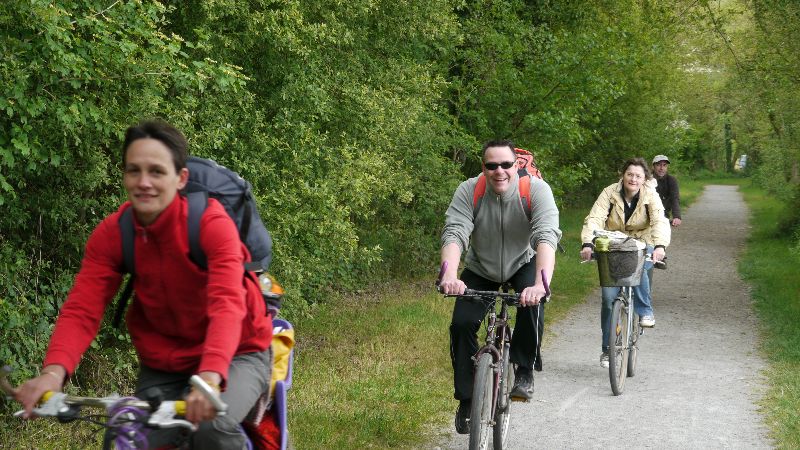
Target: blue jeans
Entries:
(642, 302)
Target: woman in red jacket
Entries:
(184, 320)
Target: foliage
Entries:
(74, 76)
(355, 121)
(774, 278)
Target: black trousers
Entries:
(468, 314)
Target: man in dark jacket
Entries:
(667, 189)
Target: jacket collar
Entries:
(509, 193)
(166, 219)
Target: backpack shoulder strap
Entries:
(477, 195)
(127, 234)
(198, 202)
(525, 194)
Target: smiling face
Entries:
(150, 178)
(660, 168)
(633, 179)
(498, 177)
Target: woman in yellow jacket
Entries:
(633, 207)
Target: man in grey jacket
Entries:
(502, 245)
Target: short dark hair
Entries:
(637, 162)
(162, 131)
(497, 143)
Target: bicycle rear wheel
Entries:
(481, 413)
(502, 418)
(618, 346)
(634, 348)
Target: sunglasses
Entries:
(494, 166)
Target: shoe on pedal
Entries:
(604, 359)
(462, 416)
(647, 321)
(523, 385)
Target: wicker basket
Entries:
(620, 268)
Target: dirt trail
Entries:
(698, 376)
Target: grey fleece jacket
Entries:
(500, 239)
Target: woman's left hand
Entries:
(659, 254)
(198, 407)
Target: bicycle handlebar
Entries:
(161, 414)
(511, 299)
(649, 257)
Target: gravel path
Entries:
(698, 377)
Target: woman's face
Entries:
(150, 178)
(633, 179)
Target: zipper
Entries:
(502, 241)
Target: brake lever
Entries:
(209, 394)
(164, 417)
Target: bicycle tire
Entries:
(502, 418)
(481, 413)
(633, 354)
(618, 347)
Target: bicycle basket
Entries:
(620, 268)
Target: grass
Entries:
(772, 272)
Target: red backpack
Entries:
(526, 168)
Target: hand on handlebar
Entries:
(532, 295)
(658, 255)
(586, 253)
(199, 407)
(452, 286)
(30, 393)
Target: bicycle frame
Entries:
(498, 333)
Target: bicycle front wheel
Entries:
(482, 401)
(502, 418)
(618, 339)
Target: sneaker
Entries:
(462, 416)
(604, 359)
(523, 384)
(647, 321)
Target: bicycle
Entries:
(494, 377)
(126, 420)
(624, 328)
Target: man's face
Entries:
(660, 168)
(499, 177)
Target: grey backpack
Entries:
(207, 179)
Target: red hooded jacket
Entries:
(183, 319)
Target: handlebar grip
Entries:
(209, 393)
(180, 407)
